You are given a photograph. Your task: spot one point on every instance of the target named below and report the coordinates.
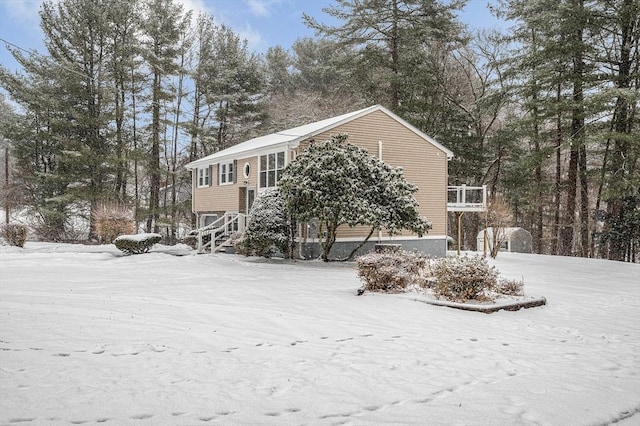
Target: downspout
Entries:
(379, 158)
(194, 180)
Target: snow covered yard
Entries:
(90, 336)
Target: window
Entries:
(208, 219)
(271, 167)
(226, 173)
(247, 170)
(204, 176)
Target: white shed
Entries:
(517, 240)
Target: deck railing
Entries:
(465, 198)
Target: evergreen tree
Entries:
(162, 24)
(389, 36)
(338, 184)
(234, 85)
(269, 227)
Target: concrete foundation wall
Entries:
(433, 247)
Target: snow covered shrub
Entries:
(269, 227)
(338, 183)
(191, 239)
(510, 287)
(391, 271)
(111, 220)
(136, 244)
(15, 234)
(464, 278)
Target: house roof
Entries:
(290, 138)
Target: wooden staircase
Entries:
(221, 232)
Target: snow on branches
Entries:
(339, 183)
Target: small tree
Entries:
(269, 227)
(339, 183)
(499, 216)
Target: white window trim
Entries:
(260, 187)
(206, 215)
(246, 170)
(203, 177)
(228, 173)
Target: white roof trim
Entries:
(290, 138)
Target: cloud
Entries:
(195, 5)
(254, 39)
(258, 7)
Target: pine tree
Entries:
(162, 25)
(234, 85)
(389, 36)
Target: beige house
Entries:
(226, 183)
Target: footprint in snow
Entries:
(372, 408)
(142, 416)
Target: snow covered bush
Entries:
(15, 234)
(392, 271)
(510, 287)
(339, 183)
(111, 220)
(464, 278)
(136, 244)
(269, 227)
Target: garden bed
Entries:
(507, 304)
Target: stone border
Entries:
(512, 305)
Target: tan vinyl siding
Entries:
(424, 164)
(225, 197)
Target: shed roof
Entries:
(290, 138)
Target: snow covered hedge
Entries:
(391, 271)
(464, 278)
(136, 244)
(456, 279)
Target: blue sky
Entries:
(263, 23)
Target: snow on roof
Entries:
(292, 137)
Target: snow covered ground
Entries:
(90, 336)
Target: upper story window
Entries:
(271, 167)
(204, 176)
(225, 173)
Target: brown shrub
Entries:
(14, 233)
(112, 220)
